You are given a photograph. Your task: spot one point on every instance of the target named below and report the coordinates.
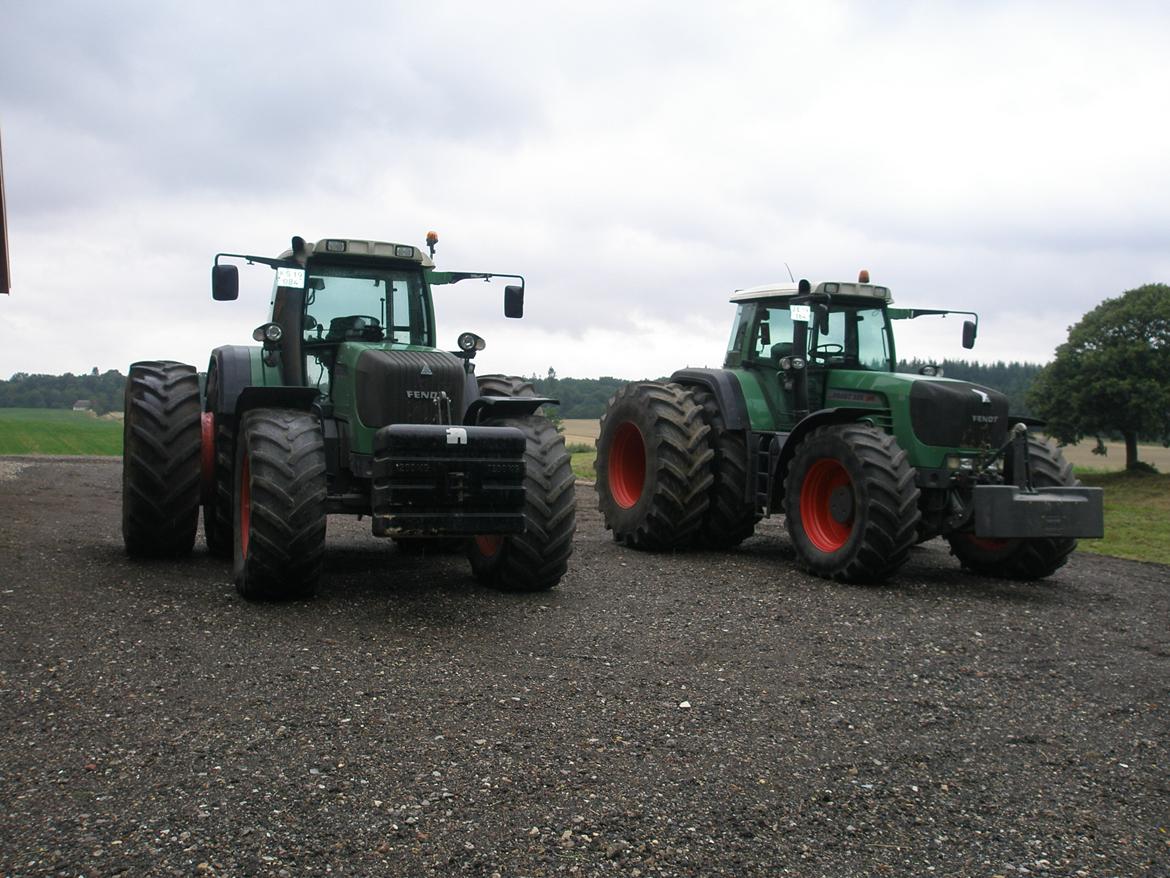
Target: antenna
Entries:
(790, 277)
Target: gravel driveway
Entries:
(694, 714)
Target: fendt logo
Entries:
(983, 397)
(422, 394)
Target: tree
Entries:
(1113, 373)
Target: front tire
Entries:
(279, 489)
(161, 468)
(851, 503)
(536, 559)
(1022, 559)
(653, 466)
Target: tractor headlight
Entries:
(469, 341)
(270, 332)
(957, 463)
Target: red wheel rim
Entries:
(489, 546)
(627, 465)
(207, 457)
(245, 505)
(823, 530)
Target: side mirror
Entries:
(225, 283)
(513, 301)
(765, 334)
(969, 327)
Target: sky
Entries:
(636, 162)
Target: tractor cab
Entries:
(809, 335)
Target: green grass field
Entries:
(58, 431)
(1137, 516)
(582, 462)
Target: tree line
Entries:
(102, 391)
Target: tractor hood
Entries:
(942, 412)
(958, 414)
(398, 386)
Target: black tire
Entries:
(161, 471)
(851, 503)
(279, 522)
(504, 385)
(654, 466)
(536, 559)
(731, 518)
(1023, 559)
(217, 508)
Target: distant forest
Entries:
(103, 392)
(580, 397)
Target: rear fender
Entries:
(229, 372)
(726, 389)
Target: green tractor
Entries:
(809, 418)
(346, 406)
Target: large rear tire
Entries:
(505, 385)
(536, 559)
(851, 503)
(1024, 559)
(654, 466)
(279, 522)
(161, 470)
(731, 518)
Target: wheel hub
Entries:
(826, 505)
(841, 504)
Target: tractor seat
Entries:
(780, 349)
(354, 328)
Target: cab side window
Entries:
(772, 338)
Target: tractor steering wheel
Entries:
(822, 351)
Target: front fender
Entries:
(283, 397)
(488, 407)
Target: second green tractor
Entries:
(809, 418)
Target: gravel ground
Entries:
(693, 714)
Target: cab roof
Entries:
(824, 287)
(353, 247)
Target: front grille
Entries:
(401, 387)
(956, 414)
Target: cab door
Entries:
(768, 338)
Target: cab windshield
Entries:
(856, 339)
(353, 303)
